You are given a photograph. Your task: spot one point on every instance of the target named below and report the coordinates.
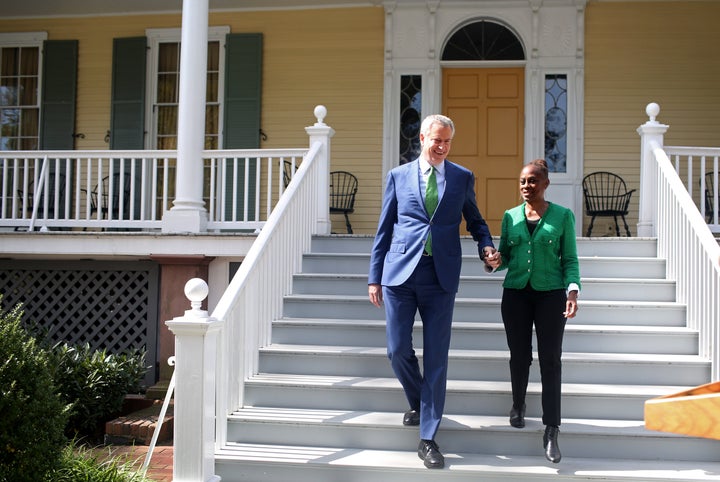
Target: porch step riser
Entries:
(647, 290)
(473, 310)
(492, 368)
(601, 247)
(505, 441)
(458, 401)
(482, 338)
(472, 266)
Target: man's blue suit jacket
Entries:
(404, 225)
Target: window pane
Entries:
(169, 57)
(10, 119)
(483, 40)
(167, 95)
(29, 61)
(28, 91)
(556, 122)
(19, 67)
(213, 56)
(212, 87)
(410, 109)
(8, 91)
(167, 90)
(9, 64)
(167, 120)
(29, 123)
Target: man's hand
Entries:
(375, 294)
(492, 257)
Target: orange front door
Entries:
(487, 106)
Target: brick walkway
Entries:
(161, 463)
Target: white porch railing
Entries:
(668, 211)
(216, 354)
(698, 169)
(133, 189)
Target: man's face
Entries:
(436, 144)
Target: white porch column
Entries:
(188, 213)
(195, 352)
(651, 136)
(321, 132)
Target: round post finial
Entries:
(196, 290)
(652, 110)
(320, 113)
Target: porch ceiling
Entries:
(45, 8)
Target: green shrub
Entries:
(32, 414)
(81, 464)
(95, 384)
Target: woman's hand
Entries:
(492, 258)
(571, 306)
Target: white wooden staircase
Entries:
(326, 406)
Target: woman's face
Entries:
(533, 184)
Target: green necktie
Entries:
(431, 202)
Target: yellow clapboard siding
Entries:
(332, 57)
(666, 54)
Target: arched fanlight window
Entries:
(483, 40)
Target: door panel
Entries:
(487, 106)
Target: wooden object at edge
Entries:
(694, 412)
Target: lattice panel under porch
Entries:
(110, 305)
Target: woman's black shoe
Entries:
(517, 417)
(550, 443)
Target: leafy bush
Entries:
(81, 464)
(95, 384)
(33, 414)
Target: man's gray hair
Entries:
(436, 119)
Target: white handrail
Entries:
(38, 195)
(691, 253)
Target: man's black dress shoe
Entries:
(411, 417)
(429, 452)
(550, 443)
(517, 417)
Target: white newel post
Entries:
(320, 132)
(194, 422)
(188, 214)
(651, 136)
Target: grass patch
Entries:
(82, 464)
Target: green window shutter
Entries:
(127, 116)
(243, 83)
(57, 114)
(59, 89)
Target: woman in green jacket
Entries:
(537, 247)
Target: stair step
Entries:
(657, 313)
(491, 336)
(326, 405)
(491, 365)
(617, 289)
(240, 462)
(615, 439)
(580, 400)
(598, 247)
(618, 267)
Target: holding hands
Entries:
(492, 258)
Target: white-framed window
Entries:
(555, 121)
(164, 86)
(20, 87)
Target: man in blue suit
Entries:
(415, 266)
